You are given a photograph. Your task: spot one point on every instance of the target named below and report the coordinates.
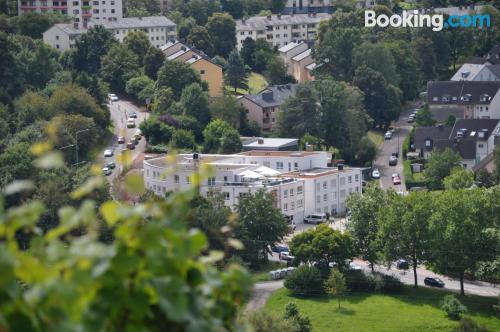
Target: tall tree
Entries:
(404, 229)
(248, 52)
(222, 28)
(459, 178)
(34, 24)
(408, 68)
(226, 108)
(425, 51)
(439, 166)
(195, 102)
(119, 65)
(153, 60)
(177, 75)
(260, 226)
(236, 75)
(200, 38)
(424, 117)
(220, 137)
(138, 42)
(91, 47)
(276, 71)
(377, 57)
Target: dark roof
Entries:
(441, 114)
(273, 96)
(493, 55)
(461, 92)
(434, 133)
(466, 149)
(474, 127)
(476, 60)
(495, 69)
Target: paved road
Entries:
(395, 144)
(261, 293)
(120, 111)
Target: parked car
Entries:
(396, 180)
(121, 140)
(130, 145)
(138, 135)
(376, 174)
(148, 156)
(132, 115)
(316, 218)
(354, 266)
(393, 161)
(110, 165)
(388, 135)
(108, 153)
(411, 119)
(106, 171)
(434, 282)
(392, 129)
(279, 248)
(113, 97)
(402, 264)
(134, 140)
(285, 255)
(130, 123)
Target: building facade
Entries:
(82, 12)
(279, 30)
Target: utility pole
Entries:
(76, 142)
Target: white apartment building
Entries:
(158, 28)
(294, 192)
(82, 12)
(279, 30)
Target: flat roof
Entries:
(261, 22)
(272, 142)
(255, 153)
(137, 22)
(317, 172)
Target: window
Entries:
(342, 193)
(176, 179)
(318, 198)
(188, 179)
(299, 203)
(333, 183)
(317, 186)
(112, 11)
(289, 164)
(292, 206)
(295, 166)
(299, 190)
(342, 181)
(325, 197)
(356, 178)
(202, 72)
(285, 193)
(349, 179)
(291, 192)
(266, 163)
(285, 207)
(211, 181)
(325, 185)
(481, 146)
(357, 189)
(57, 37)
(225, 178)
(242, 33)
(279, 165)
(226, 196)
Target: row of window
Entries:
(300, 204)
(342, 195)
(278, 27)
(291, 192)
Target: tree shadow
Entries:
(345, 311)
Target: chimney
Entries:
(243, 20)
(340, 167)
(260, 141)
(196, 156)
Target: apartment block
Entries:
(299, 60)
(82, 12)
(159, 30)
(279, 30)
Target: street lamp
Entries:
(76, 142)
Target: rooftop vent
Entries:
(340, 167)
(260, 141)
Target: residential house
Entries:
(199, 61)
(478, 99)
(270, 144)
(81, 12)
(472, 139)
(301, 65)
(477, 72)
(279, 30)
(263, 108)
(159, 29)
(308, 6)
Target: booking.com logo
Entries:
(413, 19)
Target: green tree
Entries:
(439, 166)
(222, 28)
(459, 178)
(68, 126)
(407, 67)
(404, 229)
(29, 108)
(485, 179)
(200, 38)
(300, 322)
(366, 151)
(137, 84)
(264, 321)
(183, 139)
(163, 99)
(276, 71)
(156, 132)
(153, 60)
(184, 27)
(335, 285)
(138, 43)
(450, 121)
(34, 24)
(247, 52)
(233, 7)
(16, 163)
(496, 162)
(323, 245)
(195, 102)
(424, 117)
(91, 47)
(226, 108)
(377, 57)
(177, 75)
(235, 74)
(119, 65)
(427, 57)
(260, 225)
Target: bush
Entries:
(263, 321)
(157, 149)
(305, 280)
(183, 139)
(300, 323)
(467, 325)
(387, 284)
(357, 280)
(452, 306)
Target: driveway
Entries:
(261, 293)
(395, 144)
(120, 111)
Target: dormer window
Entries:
(445, 99)
(465, 74)
(484, 98)
(467, 98)
(428, 143)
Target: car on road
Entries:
(110, 165)
(388, 135)
(434, 282)
(130, 123)
(393, 161)
(134, 140)
(376, 174)
(121, 140)
(402, 264)
(411, 119)
(138, 135)
(108, 153)
(396, 180)
(113, 97)
(130, 145)
(316, 218)
(280, 248)
(132, 115)
(106, 171)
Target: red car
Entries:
(396, 180)
(121, 140)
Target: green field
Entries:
(256, 83)
(411, 311)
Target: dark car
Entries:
(279, 249)
(110, 165)
(433, 282)
(133, 115)
(131, 145)
(393, 161)
(402, 264)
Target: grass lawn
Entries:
(377, 137)
(411, 311)
(256, 83)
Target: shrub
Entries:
(468, 325)
(263, 321)
(357, 280)
(452, 306)
(157, 149)
(299, 323)
(305, 280)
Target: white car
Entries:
(388, 135)
(106, 171)
(108, 153)
(285, 255)
(316, 218)
(113, 97)
(353, 266)
(376, 174)
(130, 123)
